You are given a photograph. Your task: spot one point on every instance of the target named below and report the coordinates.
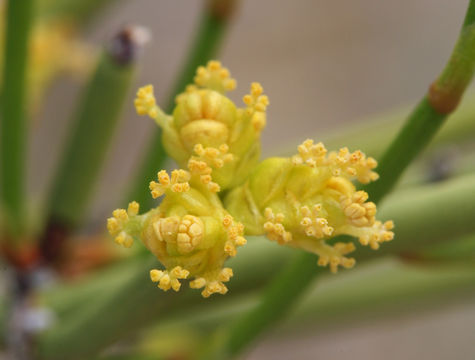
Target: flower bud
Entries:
(307, 199)
(204, 118)
(190, 233)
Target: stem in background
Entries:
(285, 290)
(13, 141)
(381, 288)
(442, 99)
(457, 251)
(133, 300)
(94, 122)
(213, 25)
(423, 123)
(373, 135)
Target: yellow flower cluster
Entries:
(305, 200)
(302, 201)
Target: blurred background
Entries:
(324, 64)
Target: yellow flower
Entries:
(302, 201)
(307, 199)
(206, 125)
(190, 233)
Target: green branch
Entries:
(419, 129)
(19, 17)
(206, 44)
(443, 97)
(382, 288)
(94, 122)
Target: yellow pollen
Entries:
(274, 228)
(118, 224)
(256, 106)
(205, 160)
(177, 183)
(169, 279)
(214, 77)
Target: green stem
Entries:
(457, 251)
(443, 97)
(382, 288)
(285, 290)
(206, 44)
(136, 302)
(419, 129)
(19, 17)
(373, 134)
(94, 122)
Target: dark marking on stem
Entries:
(444, 99)
(126, 44)
(53, 241)
(222, 10)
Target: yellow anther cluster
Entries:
(169, 279)
(341, 163)
(204, 116)
(274, 228)
(145, 102)
(117, 225)
(205, 160)
(214, 284)
(334, 256)
(305, 200)
(234, 233)
(353, 164)
(256, 106)
(310, 154)
(214, 76)
(313, 224)
(358, 212)
(177, 183)
(377, 234)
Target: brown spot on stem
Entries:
(444, 100)
(52, 243)
(222, 9)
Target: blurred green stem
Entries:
(19, 17)
(373, 135)
(94, 122)
(382, 288)
(132, 299)
(442, 99)
(212, 27)
(418, 130)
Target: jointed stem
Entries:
(442, 99)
